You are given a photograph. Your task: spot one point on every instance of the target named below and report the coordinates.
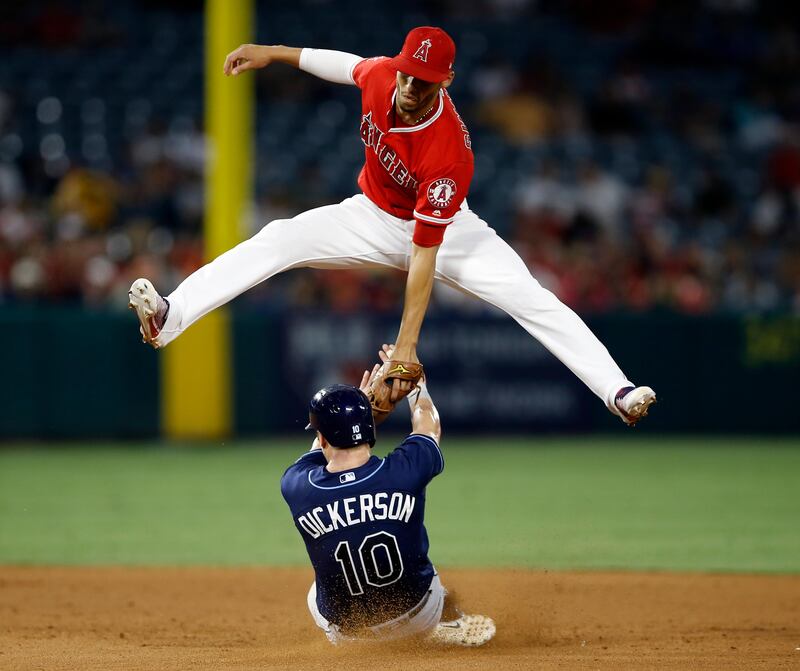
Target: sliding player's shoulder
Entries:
(420, 453)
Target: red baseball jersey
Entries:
(421, 172)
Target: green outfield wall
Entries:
(71, 374)
(78, 374)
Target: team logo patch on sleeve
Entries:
(441, 192)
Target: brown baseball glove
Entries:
(379, 391)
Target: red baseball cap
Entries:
(428, 54)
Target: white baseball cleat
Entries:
(632, 403)
(467, 630)
(150, 308)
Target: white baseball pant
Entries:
(357, 233)
(420, 620)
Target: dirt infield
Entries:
(256, 618)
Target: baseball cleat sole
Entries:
(143, 300)
(468, 630)
(636, 404)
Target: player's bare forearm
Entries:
(255, 56)
(418, 294)
(424, 415)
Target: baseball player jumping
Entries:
(361, 519)
(412, 214)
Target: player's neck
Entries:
(416, 117)
(347, 460)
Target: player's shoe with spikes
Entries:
(150, 308)
(467, 630)
(632, 403)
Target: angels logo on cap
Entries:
(422, 51)
(441, 192)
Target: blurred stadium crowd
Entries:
(639, 155)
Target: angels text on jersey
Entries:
(372, 137)
(464, 129)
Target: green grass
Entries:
(633, 503)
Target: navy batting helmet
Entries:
(343, 415)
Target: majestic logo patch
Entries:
(422, 51)
(441, 192)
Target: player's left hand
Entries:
(383, 391)
(247, 57)
(400, 387)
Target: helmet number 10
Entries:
(380, 562)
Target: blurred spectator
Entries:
(520, 116)
(496, 78)
(714, 197)
(84, 199)
(600, 201)
(545, 204)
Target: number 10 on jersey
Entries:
(380, 562)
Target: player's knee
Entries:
(525, 296)
(284, 239)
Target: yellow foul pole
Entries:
(197, 394)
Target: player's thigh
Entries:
(350, 233)
(477, 261)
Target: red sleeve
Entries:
(363, 69)
(428, 235)
(438, 201)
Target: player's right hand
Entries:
(247, 57)
(368, 378)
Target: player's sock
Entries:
(622, 393)
(162, 313)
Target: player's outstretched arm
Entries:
(418, 294)
(332, 66)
